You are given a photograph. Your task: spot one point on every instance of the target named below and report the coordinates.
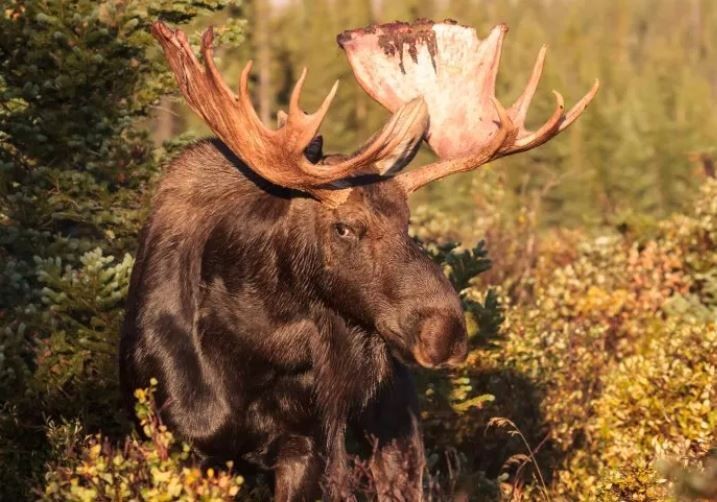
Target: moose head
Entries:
(438, 79)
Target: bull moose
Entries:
(277, 297)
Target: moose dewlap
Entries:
(277, 298)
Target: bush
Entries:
(620, 350)
(91, 468)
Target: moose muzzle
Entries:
(441, 340)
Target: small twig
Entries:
(499, 421)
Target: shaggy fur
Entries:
(273, 323)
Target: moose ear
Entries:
(400, 138)
(315, 150)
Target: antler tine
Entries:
(307, 125)
(296, 93)
(525, 139)
(546, 131)
(210, 68)
(557, 123)
(179, 57)
(320, 114)
(413, 180)
(580, 106)
(244, 98)
(519, 110)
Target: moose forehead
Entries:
(376, 204)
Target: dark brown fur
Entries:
(270, 328)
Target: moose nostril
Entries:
(441, 340)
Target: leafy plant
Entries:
(92, 468)
(78, 81)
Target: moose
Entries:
(277, 297)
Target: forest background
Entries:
(588, 266)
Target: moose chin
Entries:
(277, 297)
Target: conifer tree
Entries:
(78, 80)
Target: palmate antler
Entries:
(455, 72)
(278, 155)
(420, 70)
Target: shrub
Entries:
(78, 79)
(91, 468)
(619, 349)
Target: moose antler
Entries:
(278, 155)
(455, 72)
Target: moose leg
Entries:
(297, 471)
(336, 478)
(391, 424)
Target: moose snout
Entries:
(441, 342)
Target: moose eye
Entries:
(343, 231)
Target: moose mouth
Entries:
(424, 361)
(435, 344)
(416, 357)
(400, 351)
(421, 358)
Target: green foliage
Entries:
(600, 385)
(78, 81)
(83, 315)
(158, 468)
(626, 378)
